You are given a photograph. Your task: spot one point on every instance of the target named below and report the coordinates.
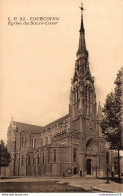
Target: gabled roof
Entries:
(27, 127)
(35, 128)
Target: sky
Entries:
(37, 61)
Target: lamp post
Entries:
(118, 163)
(107, 162)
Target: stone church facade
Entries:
(71, 145)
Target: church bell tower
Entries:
(82, 99)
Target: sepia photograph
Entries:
(61, 96)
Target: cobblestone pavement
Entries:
(92, 184)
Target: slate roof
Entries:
(35, 128)
(60, 120)
(28, 127)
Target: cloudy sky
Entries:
(37, 61)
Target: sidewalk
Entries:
(113, 187)
(96, 185)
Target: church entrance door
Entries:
(75, 171)
(88, 166)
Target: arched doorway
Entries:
(75, 170)
(91, 153)
(88, 166)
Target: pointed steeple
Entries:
(82, 45)
(82, 30)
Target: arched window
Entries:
(90, 101)
(34, 142)
(43, 158)
(38, 159)
(77, 95)
(54, 155)
(23, 142)
(22, 160)
(89, 96)
(74, 96)
(19, 160)
(74, 155)
(86, 94)
(48, 156)
(33, 159)
(30, 137)
(46, 140)
(29, 159)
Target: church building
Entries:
(71, 145)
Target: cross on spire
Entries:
(81, 8)
(82, 46)
(82, 26)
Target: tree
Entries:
(5, 157)
(111, 121)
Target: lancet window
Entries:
(74, 155)
(29, 159)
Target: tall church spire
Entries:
(82, 26)
(82, 45)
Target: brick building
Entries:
(71, 145)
